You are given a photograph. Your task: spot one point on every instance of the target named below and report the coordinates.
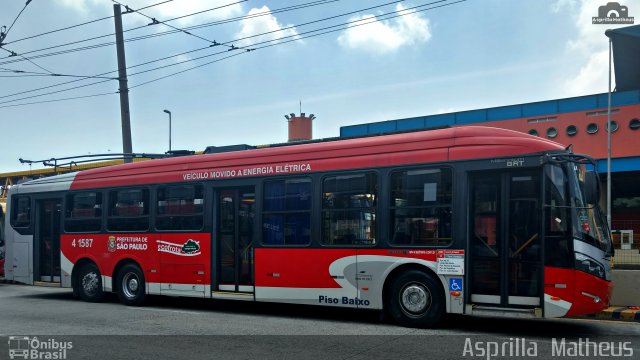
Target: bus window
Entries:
(558, 222)
(83, 212)
(180, 207)
(286, 209)
(128, 210)
(421, 207)
(349, 209)
(21, 214)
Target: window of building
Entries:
(602, 112)
(286, 212)
(542, 119)
(592, 128)
(21, 214)
(83, 212)
(614, 126)
(180, 207)
(128, 210)
(533, 132)
(634, 124)
(349, 209)
(572, 130)
(552, 132)
(421, 207)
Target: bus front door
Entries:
(235, 212)
(47, 241)
(506, 255)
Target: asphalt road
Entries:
(184, 328)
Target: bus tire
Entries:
(131, 285)
(416, 299)
(90, 283)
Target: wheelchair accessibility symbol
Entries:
(455, 284)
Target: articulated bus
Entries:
(463, 220)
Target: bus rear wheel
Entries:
(416, 299)
(131, 285)
(89, 286)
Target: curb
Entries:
(619, 313)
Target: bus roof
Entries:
(450, 144)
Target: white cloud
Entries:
(561, 5)
(263, 24)
(383, 36)
(176, 9)
(447, 110)
(79, 5)
(589, 48)
(592, 77)
(182, 58)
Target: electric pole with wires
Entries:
(124, 89)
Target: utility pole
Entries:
(124, 88)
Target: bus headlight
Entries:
(589, 265)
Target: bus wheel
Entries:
(416, 299)
(131, 285)
(90, 283)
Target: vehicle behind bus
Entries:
(468, 220)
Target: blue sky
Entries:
(474, 54)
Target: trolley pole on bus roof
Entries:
(124, 89)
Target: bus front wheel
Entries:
(89, 286)
(131, 285)
(416, 299)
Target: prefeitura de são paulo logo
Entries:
(24, 347)
(111, 244)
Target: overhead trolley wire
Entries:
(143, 37)
(25, 58)
(57, 100)
(297, 37)
(3, 33)
(154, 21)
(176, 55)
(3, 36)
(58, 30)
(78, 25)
(289, 8)
(23, 73)
(318, 32)
(274, 42)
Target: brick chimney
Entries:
(300, 127)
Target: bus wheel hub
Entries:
(414, 298)
(133, 284)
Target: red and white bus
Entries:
(465, 220)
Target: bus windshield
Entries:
(589, 225)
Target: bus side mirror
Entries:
(591, 187)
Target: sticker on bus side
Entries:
(455, 284)
(450, 262)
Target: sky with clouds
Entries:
(347, 61)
